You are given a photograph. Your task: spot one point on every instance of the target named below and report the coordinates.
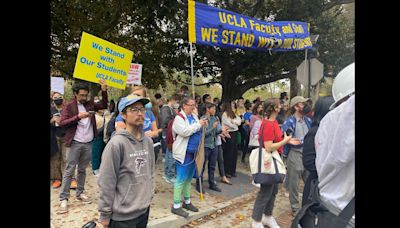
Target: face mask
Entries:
(58, 101)
(148, 105)
(306, 109)
(96, 101)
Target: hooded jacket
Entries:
(126, 180)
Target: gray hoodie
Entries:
(126, 180)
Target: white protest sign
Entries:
(57, 84)
(135, 74)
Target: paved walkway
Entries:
(160, 215)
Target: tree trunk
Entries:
(294, 86)
(230, 90)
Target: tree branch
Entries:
(204, 66)
(332, 4)
(202, 84)
(62, 71)
(253, 83)
(254, 8)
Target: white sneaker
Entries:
(169, 181)
(269, 221)
(63, 207)
(83, 198)
(96, 173)
(257, 185)
(255, 224)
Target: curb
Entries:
(177, 221)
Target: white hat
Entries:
(343, 85)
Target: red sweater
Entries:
(70, 119)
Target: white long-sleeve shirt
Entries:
(335, 154)
(233, 124)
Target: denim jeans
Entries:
(169, 165)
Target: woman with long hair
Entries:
(272, 140)
(230, 149)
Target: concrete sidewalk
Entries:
(160, 215)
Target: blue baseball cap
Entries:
(130, 99)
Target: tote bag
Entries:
(275, 173)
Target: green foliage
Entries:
(156, 31)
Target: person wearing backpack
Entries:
(187, 130)
(168, 114)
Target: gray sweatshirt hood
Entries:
(125, 133)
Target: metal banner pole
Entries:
(191, 66)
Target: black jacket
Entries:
(309, 161)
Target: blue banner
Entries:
(218, 27)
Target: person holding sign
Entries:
(78, 118)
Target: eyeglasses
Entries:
(190, 104)
(136, 110)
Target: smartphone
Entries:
(91, 112)
(57, 114)
(289, 131)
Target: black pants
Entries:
(139, 222)
(157, 148)
(220, 160)
(230, 152)
(245, 142)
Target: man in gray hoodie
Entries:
(126, 178)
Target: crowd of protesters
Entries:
(122, 141)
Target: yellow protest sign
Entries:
(99, 59)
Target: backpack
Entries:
(315, 214)
(169, 140)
